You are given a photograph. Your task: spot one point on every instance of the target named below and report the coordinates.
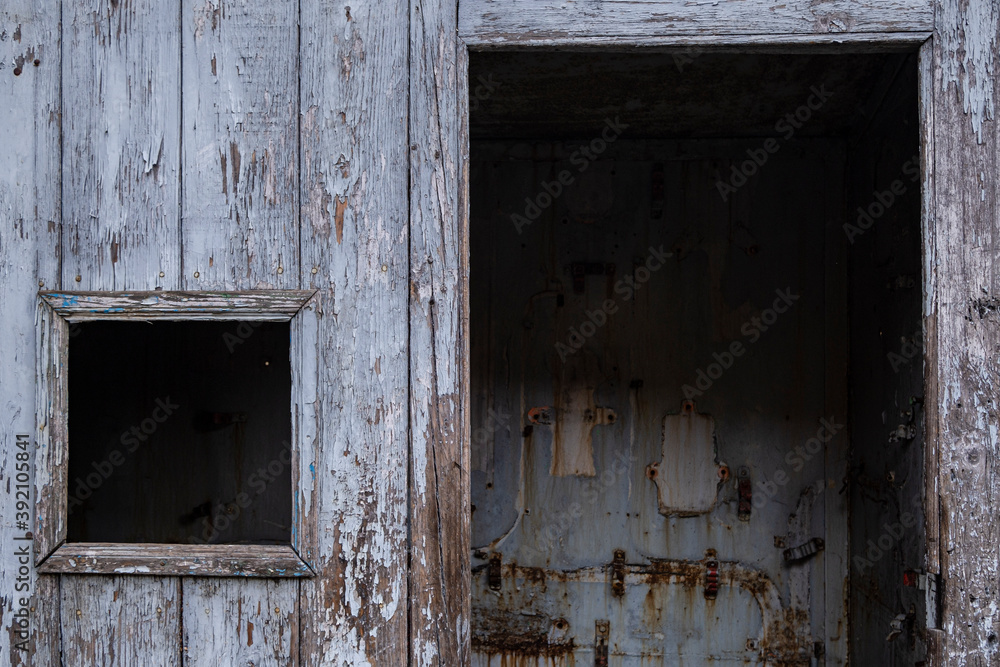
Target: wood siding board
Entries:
(242, 622)
(30, 166)
(210, 560)
(121, 620)
(517, 21)
(439, 430)
(273, 304)
(964, 325)
(121, 140)
(240, 138)
(51, 454)
(353, 87)
(305, 353)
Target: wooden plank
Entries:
(280, 304)
(121, 621)
(30, 166)
(354, 86)
(240, 622)
(965, 325)
(483, 22)
(440, 570)
(240, 138)
(121, 140)
(51, 453)
(194, 560)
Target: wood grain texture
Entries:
(266, 304)
(193, 560)
(353, 87)
(121, 140)
(965, 324)
(240, 137)
(240, 623)
(30, 168)
(51, 453)
(121, 620)
(484, 22)
(440, 570)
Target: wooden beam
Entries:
(191, 560)
(638, 23)
(440, 570)
(964, 327)
(252, 305)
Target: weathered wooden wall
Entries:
(962, 284)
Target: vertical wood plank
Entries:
(965, 324)
(120, 621)
(440, 573)
(30, 122)
(353, 87)
(240, 622)
(240, 138)
(121, 134)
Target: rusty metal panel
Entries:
(592, 324)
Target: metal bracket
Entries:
(618, 573)
(602, 631)
(711, 575)
(496, 571)
(803, 551)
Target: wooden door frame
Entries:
(440, 578)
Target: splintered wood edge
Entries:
(251, 305)
(214, 560)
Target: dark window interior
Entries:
(179, 432)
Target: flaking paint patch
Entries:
(968, 31)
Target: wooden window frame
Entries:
(56, 312)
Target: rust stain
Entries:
(114, 251)
(115, 598)
(340, 204)
(234, 154)
(249, 633)
(225, 181)
(214, 70)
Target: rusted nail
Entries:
(281, 269)
(37, 62)
(17, 71)
(79, 278)
(315, 270)
(385, 267)
(197, 274)
(79, 613)
(41, 283)
(162, 274)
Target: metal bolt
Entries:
(197, 275)
(79, 278)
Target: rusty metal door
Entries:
(658, 437)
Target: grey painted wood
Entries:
(353, 85)
(961, 252)
(439, 375)
(233, 622)
(579, 22)
(30, 167)
(266, 304)
(51, 461)
(120, 620)
(193, 560)
(121, 137)
(240, 144)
